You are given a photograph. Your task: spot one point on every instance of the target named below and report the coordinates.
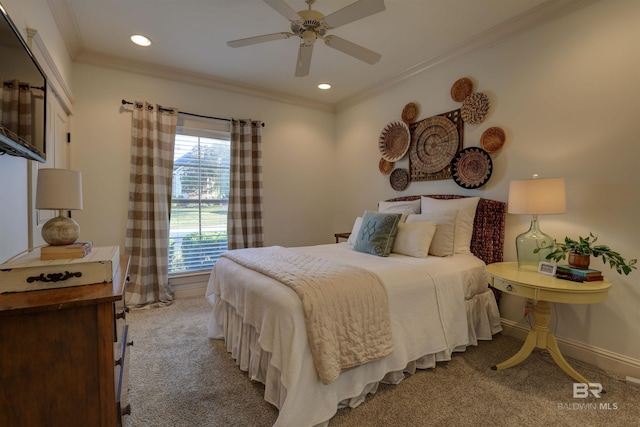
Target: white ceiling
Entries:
(189, 41)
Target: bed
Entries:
(437, 305)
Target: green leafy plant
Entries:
(587, 246)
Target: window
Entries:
(200, 197)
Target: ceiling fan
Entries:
(311, 25)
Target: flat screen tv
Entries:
(23, 96)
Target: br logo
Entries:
(582, 390)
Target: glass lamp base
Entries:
(530, 240)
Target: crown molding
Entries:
(199, 79)
(67, 25)
(541, 14)
(54, 78)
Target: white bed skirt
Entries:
(483, 320)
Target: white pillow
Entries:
(442, 243)
(354, 231)
(466, 208)
(412, 206)
(414, 239)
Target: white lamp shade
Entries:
(59, 189)
(541, 196)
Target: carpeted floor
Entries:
(179, 377)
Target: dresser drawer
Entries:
(122, 377)
(514, 288)
(121, 347)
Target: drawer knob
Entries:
(126, 410)
(509, 287)
(123, 313)
(119, 362)
(130, 343)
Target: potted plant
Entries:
(583, 248)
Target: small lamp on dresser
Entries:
(61, 190)
(537, 196)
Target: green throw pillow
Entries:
(377, 233)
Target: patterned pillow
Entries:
(377, 233)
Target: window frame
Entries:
(204, 128)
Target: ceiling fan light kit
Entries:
(310, 25)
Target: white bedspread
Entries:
(428, 317)
(345, 307)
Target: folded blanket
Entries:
(345, 308)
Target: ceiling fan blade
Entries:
(283, 9)
(353, 12)
(258, 39)
(352, 49)
(304, 59)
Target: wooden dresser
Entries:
(64, 355)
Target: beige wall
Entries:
(298, 147)
(566, 95)
(14, 214)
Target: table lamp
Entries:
(537, 196)
(61, 190)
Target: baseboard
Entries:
(601, 358)
(193, 290)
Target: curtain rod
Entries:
(23, 85)
(125, 102)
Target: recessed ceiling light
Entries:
(324, 86)
(140, 40)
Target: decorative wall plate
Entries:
(492, 139)
(475, 108)
(472, 167)
(385, 166)
(461, 89)
(394, 141)
(410, 112)
(434, 143)
(399, 179)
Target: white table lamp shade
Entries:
(538, 196)
(59, 189)
(541, 196)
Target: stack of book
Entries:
(75, 250)
(578, 274)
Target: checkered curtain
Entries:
(152, 140)
(244, 218)
(15, 108)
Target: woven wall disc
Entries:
(410, 112)
(399, 179)
(385, 166)
(434, 143)
(472, 167)
(461, 89)
(394, 141)
(492, 139)
(475, 108)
